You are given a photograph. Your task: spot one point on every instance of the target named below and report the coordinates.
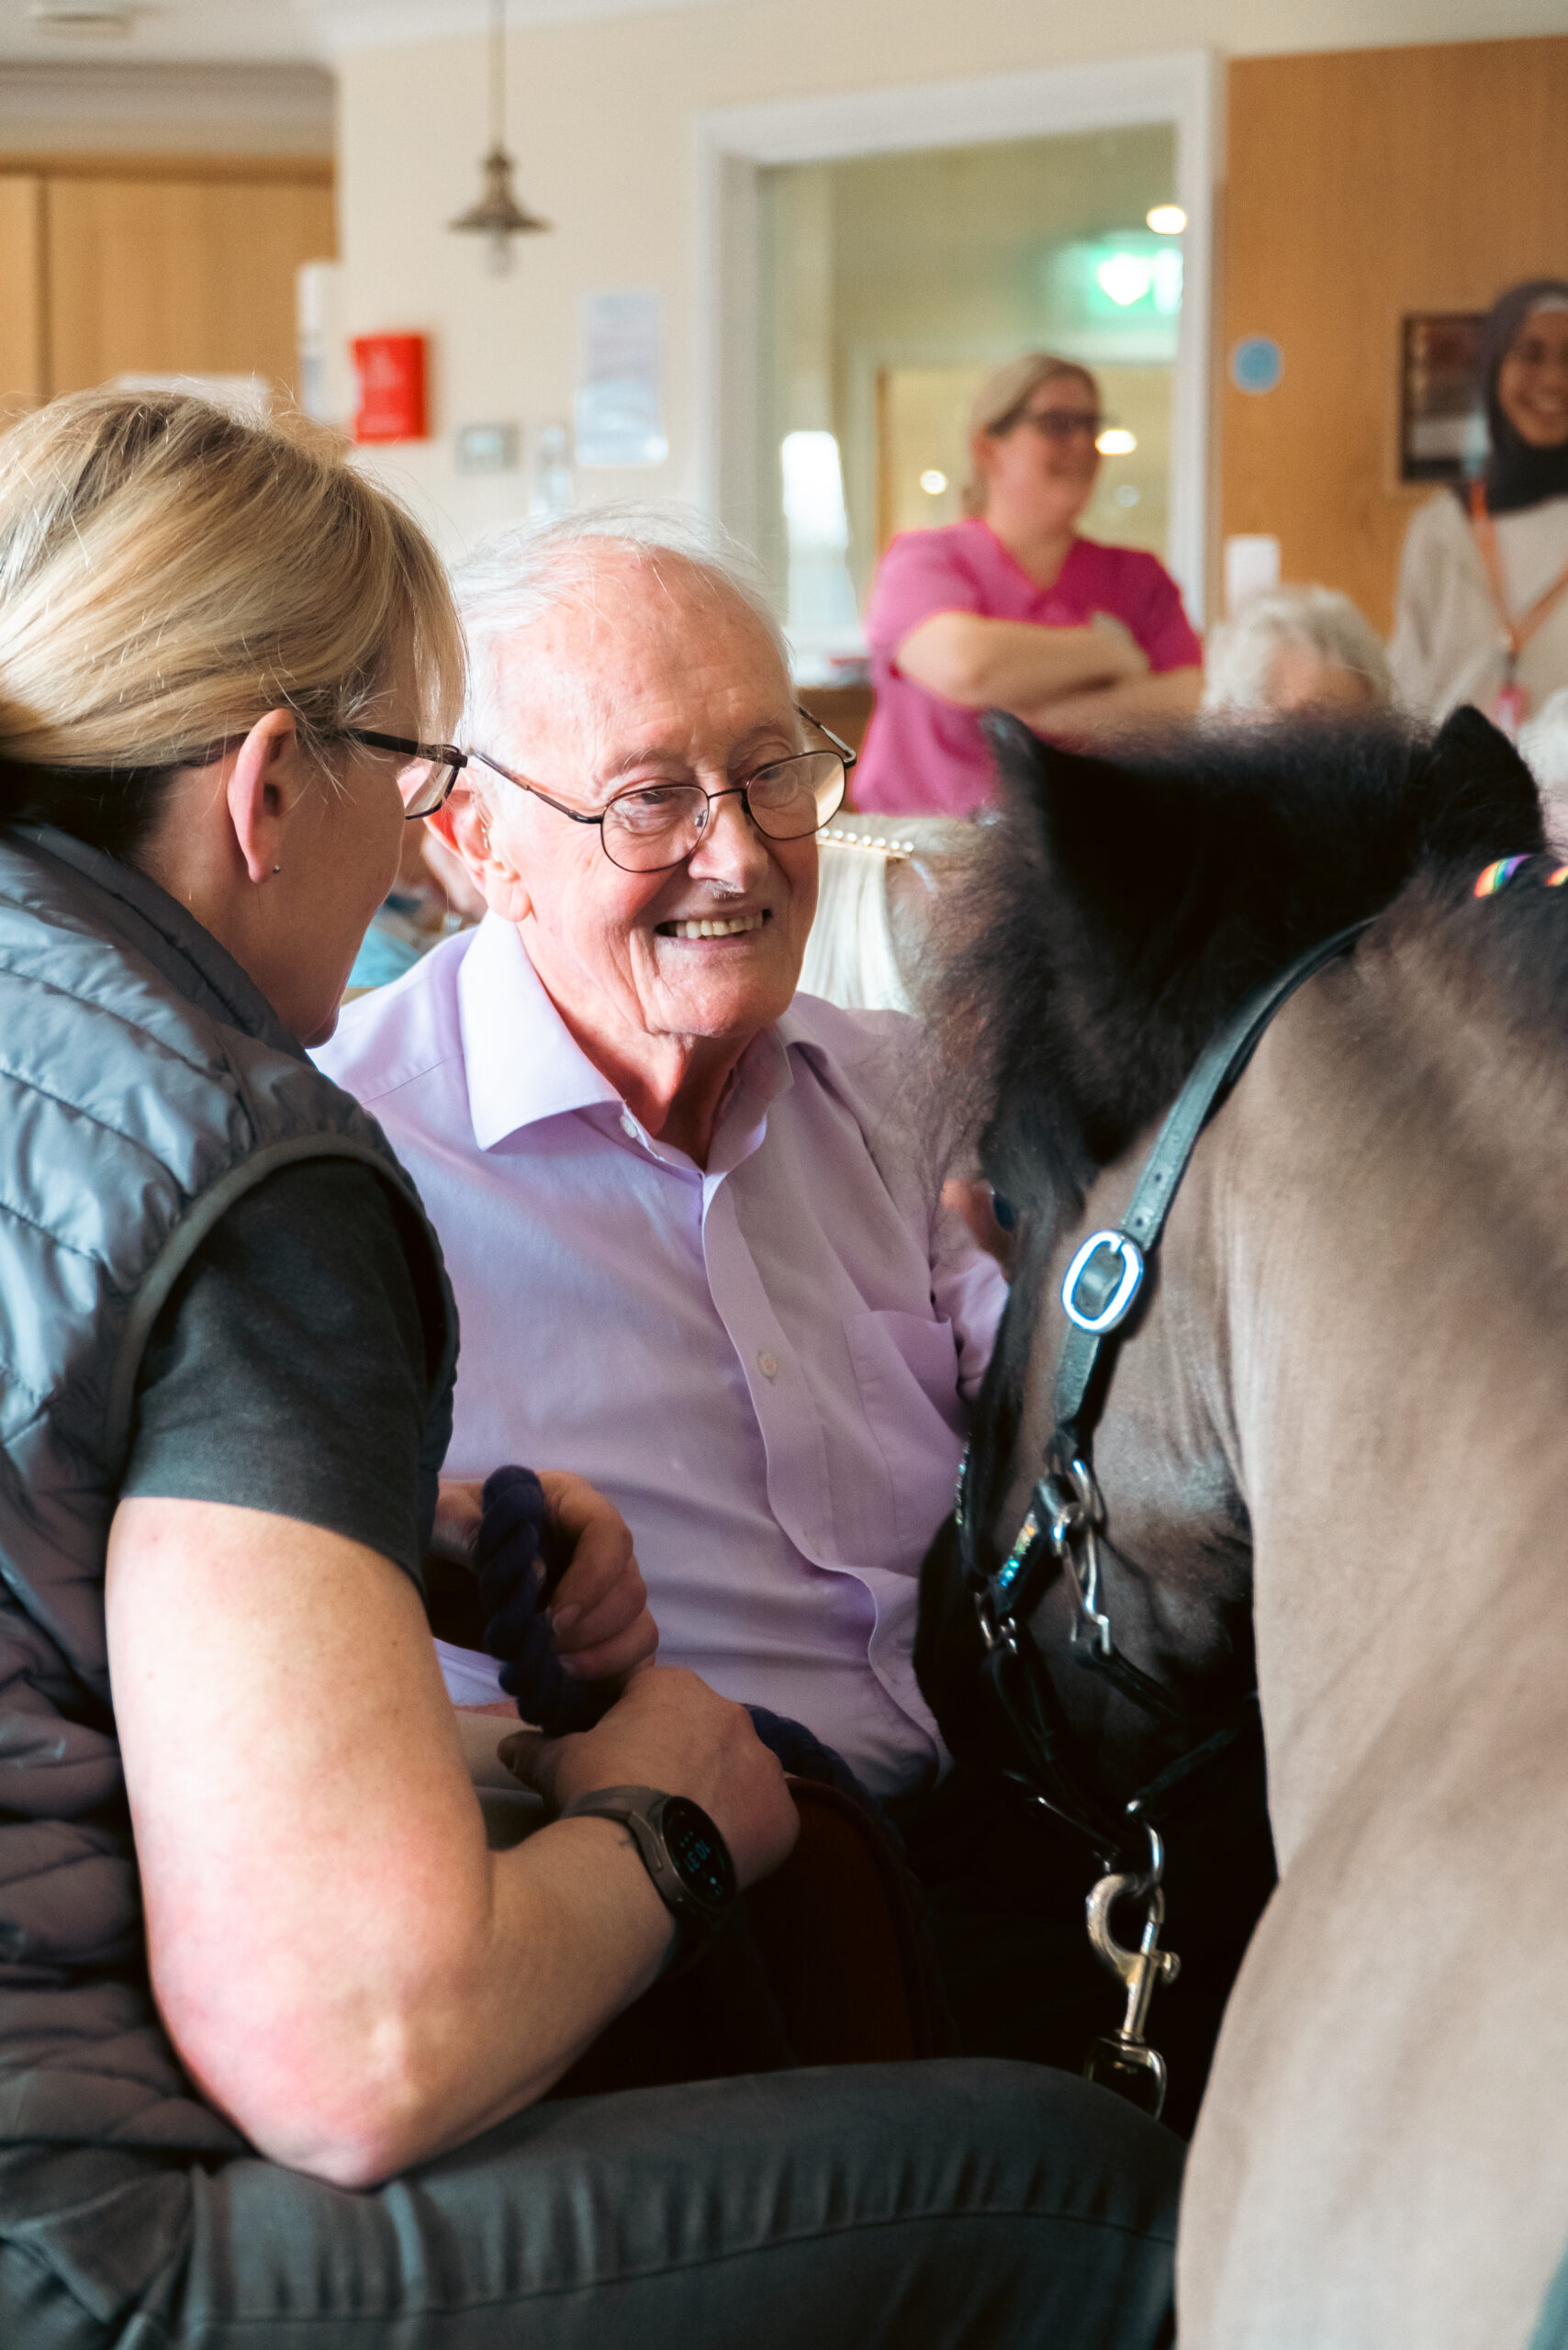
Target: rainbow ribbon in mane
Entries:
(1497, 877)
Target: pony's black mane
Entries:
(1117, 913)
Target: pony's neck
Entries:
(1398, 1335)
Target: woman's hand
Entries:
(599, 1614)
(672, 1732)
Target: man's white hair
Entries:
(1544, 744)
(1239, 655)
(516, 576)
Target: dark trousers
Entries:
(960, 2201)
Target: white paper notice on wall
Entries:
(1251, 566)
(618, 415)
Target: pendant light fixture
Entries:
(498, 215)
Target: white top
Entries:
(1449, 646)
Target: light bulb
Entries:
(1116, 442)
(1166, 220)
(933, 483)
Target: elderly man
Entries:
(694, 1231)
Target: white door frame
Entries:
(1183, 88)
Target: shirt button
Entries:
(629, 1124)
(768, 1364)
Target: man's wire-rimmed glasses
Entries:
(653, 827)
(430, 771)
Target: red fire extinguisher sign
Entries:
(390, 369)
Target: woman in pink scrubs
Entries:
(1010, 609)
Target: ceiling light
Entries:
(498, 214)
(1167, 219)
(1116, 442)
(933, 483)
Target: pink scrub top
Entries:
(926, 756)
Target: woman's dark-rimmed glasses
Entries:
(653, 827)
(1062, 424)
(428, 774)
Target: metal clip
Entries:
(995, 1636)
(1123, 2060)
(1070, 1503)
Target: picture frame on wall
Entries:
(1443, 420)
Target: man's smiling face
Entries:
(658, 675)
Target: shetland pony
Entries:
(1336, 1440)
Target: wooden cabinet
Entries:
(118, 265)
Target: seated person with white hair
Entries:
(694, 1231)
(1543, 741)
(1298, 650)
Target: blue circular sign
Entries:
(1257, 362)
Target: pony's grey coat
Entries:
(1360, 1328)
(1344, 1402)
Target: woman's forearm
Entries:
(1131, 708)
(1010, 665)
(343, 1966)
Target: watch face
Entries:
(697, 1850)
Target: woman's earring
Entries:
(277, 869)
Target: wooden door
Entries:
(1363, 186)
(24, 359)
(119, 265)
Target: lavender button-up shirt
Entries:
(764, 1364)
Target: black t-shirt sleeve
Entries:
(287, 1371)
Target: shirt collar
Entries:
(521, 1061)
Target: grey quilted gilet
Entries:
(145, 1084)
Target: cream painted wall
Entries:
(601, 115)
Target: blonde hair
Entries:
(169, 573)
(1003, 397)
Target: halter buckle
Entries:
(1097, 1318)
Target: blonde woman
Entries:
(271, 2012)
(1013, 609)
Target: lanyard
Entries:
(1519, 632)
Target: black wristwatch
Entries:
(683, 1853)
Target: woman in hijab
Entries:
(1482, 608)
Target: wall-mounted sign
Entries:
(1252, 567)
(619, 420)
(1442, 419)
(1113, 298)
(488, 449)
(390, 373)
(1257, 362)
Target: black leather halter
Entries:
(1066, 1515)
